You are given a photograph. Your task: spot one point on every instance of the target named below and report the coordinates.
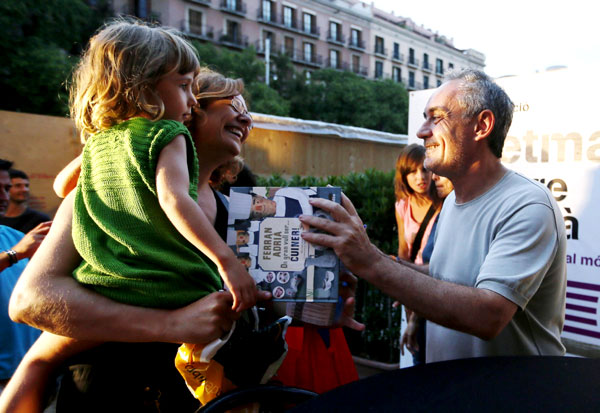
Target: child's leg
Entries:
(25, 390)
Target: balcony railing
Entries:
(274, 48)
(360, 70)
(335, 37)
(313, 31)
(439, 71)
(201, 2)
(197, 31)
(427, 67)
(337, 64)
(299, 56)
(233, 40)
(380, 50)
(413, 62)
(233, 6)
(356, 44)
(398, 57)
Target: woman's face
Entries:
(419, 180)
(223, 128)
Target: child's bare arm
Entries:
(172, 183)
(25, 390)
(66, 180)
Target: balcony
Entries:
(414, 85)
(398, 57)
(337, 65)
(268, 17)
(439, 71)
(200, 2)
(380, 51)
(299, 56)
(312, 31)
(335, 38)
(197, 31)
(275, 49)
(360, 70)
(234, 40)
(236, 7)
(427, 67)
(412, 62)
(357, 44)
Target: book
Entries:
(265, 234)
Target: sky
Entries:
(516, 36)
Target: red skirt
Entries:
(311, 365)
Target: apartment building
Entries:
(347, 35)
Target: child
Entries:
(139, 180)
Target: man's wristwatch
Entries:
(12, 256)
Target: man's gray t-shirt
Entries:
(510, 240)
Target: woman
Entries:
(417, 203)
(140, 373)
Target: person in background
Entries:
(16, 249)
(417, 204)
(414, 337)
(18, 214)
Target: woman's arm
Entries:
(48, 297)
(402, 245)
(66, 180)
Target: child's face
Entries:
(175, 90)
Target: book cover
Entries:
(265, 233)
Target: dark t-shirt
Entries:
(25, 222)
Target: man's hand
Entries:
(32, 240)
(346, 235)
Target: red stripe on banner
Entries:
(581, 319)
(585, 286)
(582, 297)
(581, 308)
(581, 331)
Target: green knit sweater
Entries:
(131, 252)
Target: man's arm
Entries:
(475, 311)
(27, 246)
(48, 297)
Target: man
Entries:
(498, 269)
(16, 249)
(18, 215)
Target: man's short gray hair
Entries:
(479, 92)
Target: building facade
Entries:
(344, 35)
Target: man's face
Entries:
(447, 136)
(4, 191)
(19, 192)
(263, 207)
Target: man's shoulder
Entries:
(519, 189)
(37, 214)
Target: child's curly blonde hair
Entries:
(115, 79)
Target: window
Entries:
(288, 16)
(308, 52)
(355, 36)
(378, 70)
(335, 31)
(411, 56)
(334, 59)
(195, 21)
(379, 45)
(355, 63)
(289, 46)
(266, 10)
(308, 23)
(271, 37)
(450, 66)
(411, 79)
(397, 74)
(396, 51)
(231, 4)
(439, 83)
(425, 61)
(439, 66)
(425, 82)
(233, 31)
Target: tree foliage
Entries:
(40, 42)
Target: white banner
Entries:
(555, 139)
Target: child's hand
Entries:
(241, 285)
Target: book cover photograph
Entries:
(265, 233)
